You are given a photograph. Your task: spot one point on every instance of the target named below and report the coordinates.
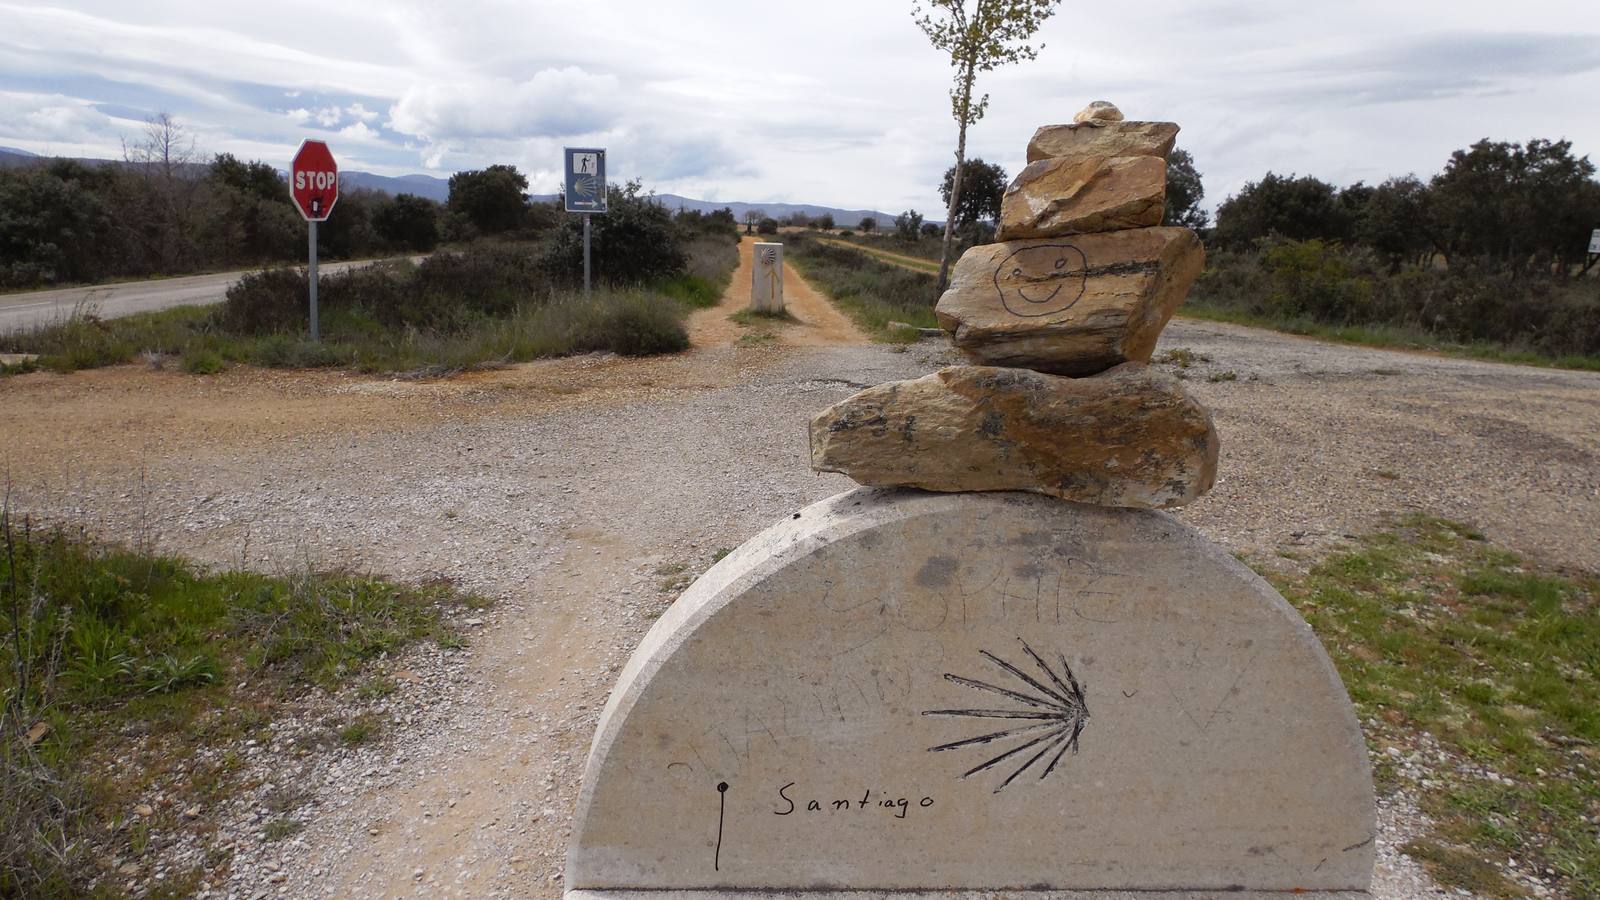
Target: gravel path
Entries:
(572, 490)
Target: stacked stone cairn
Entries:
(1060, 318)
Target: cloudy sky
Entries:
(837, 102)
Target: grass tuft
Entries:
(1443, 637)
(118, 665)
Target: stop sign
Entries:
(314, 180)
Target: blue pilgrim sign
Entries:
(586, 180)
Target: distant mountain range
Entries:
(435, 188)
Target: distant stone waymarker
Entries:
(1019, 681)
(766, 288)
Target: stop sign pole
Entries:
(314, 185)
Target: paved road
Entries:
(110, 301)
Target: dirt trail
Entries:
(916, 263)
(135, 413)
(820, 323)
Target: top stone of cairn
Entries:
(1099, 112)
(1094, 135)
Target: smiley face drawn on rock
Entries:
(1042, 280)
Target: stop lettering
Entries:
(314, 180)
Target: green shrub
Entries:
(277, 299)
(285, 351)
(631, 324)
(691, 290)
(203, 362)
(635, 243)
(487, 304)
(1313, 278)
(1307, 285)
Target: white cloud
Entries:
(830, 101)
(562, 101)
(360, 132)
(50, 117)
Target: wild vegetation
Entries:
(1476, 674)
(164, 211)
(873, 292)
(1489, 253)
(119, 663)
(490, 301)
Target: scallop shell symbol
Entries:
(769, 255)
(1048, 714)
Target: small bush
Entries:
(692, 291)
(631, 324)
(359, 732)
(203, 362)
(270, 300)
(278, 829)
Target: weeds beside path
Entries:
(1477, 676)
(133, 685)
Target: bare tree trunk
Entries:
(955, 182)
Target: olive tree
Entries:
(978, 36)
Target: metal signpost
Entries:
(314, 185)
(586, 191)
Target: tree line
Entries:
(165, 210)
(1490, 251)
(1506, 207)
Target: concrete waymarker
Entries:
(766, 288)
(939, 695)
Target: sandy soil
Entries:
(567, 488)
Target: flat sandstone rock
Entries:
(921, 695)
(1102, 140)
(1129, 437)
(1079, 195)
(1072, 305)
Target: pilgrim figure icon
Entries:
(586, 163)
